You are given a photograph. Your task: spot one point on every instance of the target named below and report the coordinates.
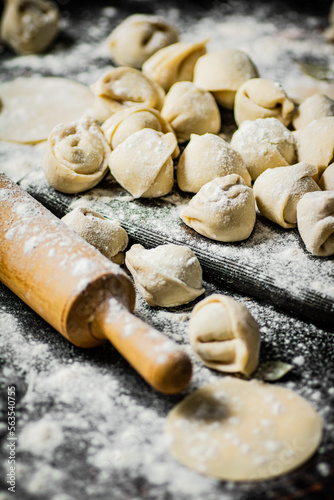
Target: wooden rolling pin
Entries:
(83, 295)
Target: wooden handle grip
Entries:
(76, 289)
(163, 364)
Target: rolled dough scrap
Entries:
(31, 107)
(243, 431)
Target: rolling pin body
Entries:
(83, 295)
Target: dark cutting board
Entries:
(272, 265)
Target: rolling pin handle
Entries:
(159, 360)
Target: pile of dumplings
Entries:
(160, 118)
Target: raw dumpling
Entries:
(224, 335)
(191, 110)
(316, 143)
(223, 209)
(104, 234)
(326, 181)
(264, 143)
(223, 72)
(77, 156)
(142, 164)
(262, 98)
(174, 63)
(205, 158)
(138, 37)
(314, 107)
(315, 219)
(29, 27)
(122, 87)
(278, 190)
(122, 124)
(166, 276)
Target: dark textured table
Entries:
(87, 426)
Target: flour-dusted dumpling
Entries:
(314, 107)
(122, 87)
(142, 164)
(166, 276)
(262, 98)
(77, 156)
(326, 181)
(205, 158)
(316, 143)
(104, 234)
(223, 209)
(174, 63)
(224, 335)
(29, 27)
(264, 143)
(223, 72)
(315, 220)
(138, 37)
(191, 110)
(127, 121)
(278, 190)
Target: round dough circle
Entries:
(241, 431)
(31, 107)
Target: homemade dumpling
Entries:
(262, 98)
(223, 72)
(138, 37)
(29, 27)
(315, 219)
(316, 143)
(314, 107)
(278, 190)
(167, 276)
(326, 181)
(223, 209)
(77, 156)
(122, 124)
(104, 234)
(191, 110)
(142, 164)
(264, 143)
(174, 63)
(205, 158)
(224, 335)
(122, 87)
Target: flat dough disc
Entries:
(31, 107)
(241, 431)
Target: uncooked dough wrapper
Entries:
(315, 218)
(316, 143)
(104, 234)
(262, 98)
(264, 143)
(29, 27)
(142, 164)
(224, 335)
(223, 72)
(277, 191)
(126, 122)
(191, 110)
(31, 107)
(166, 276)
(326, 181)
(138, 37)
(239, 430)
(314, 107)
(122, 87)
(77, 156)
(223, 209)
(205, 158)
(174, 63)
